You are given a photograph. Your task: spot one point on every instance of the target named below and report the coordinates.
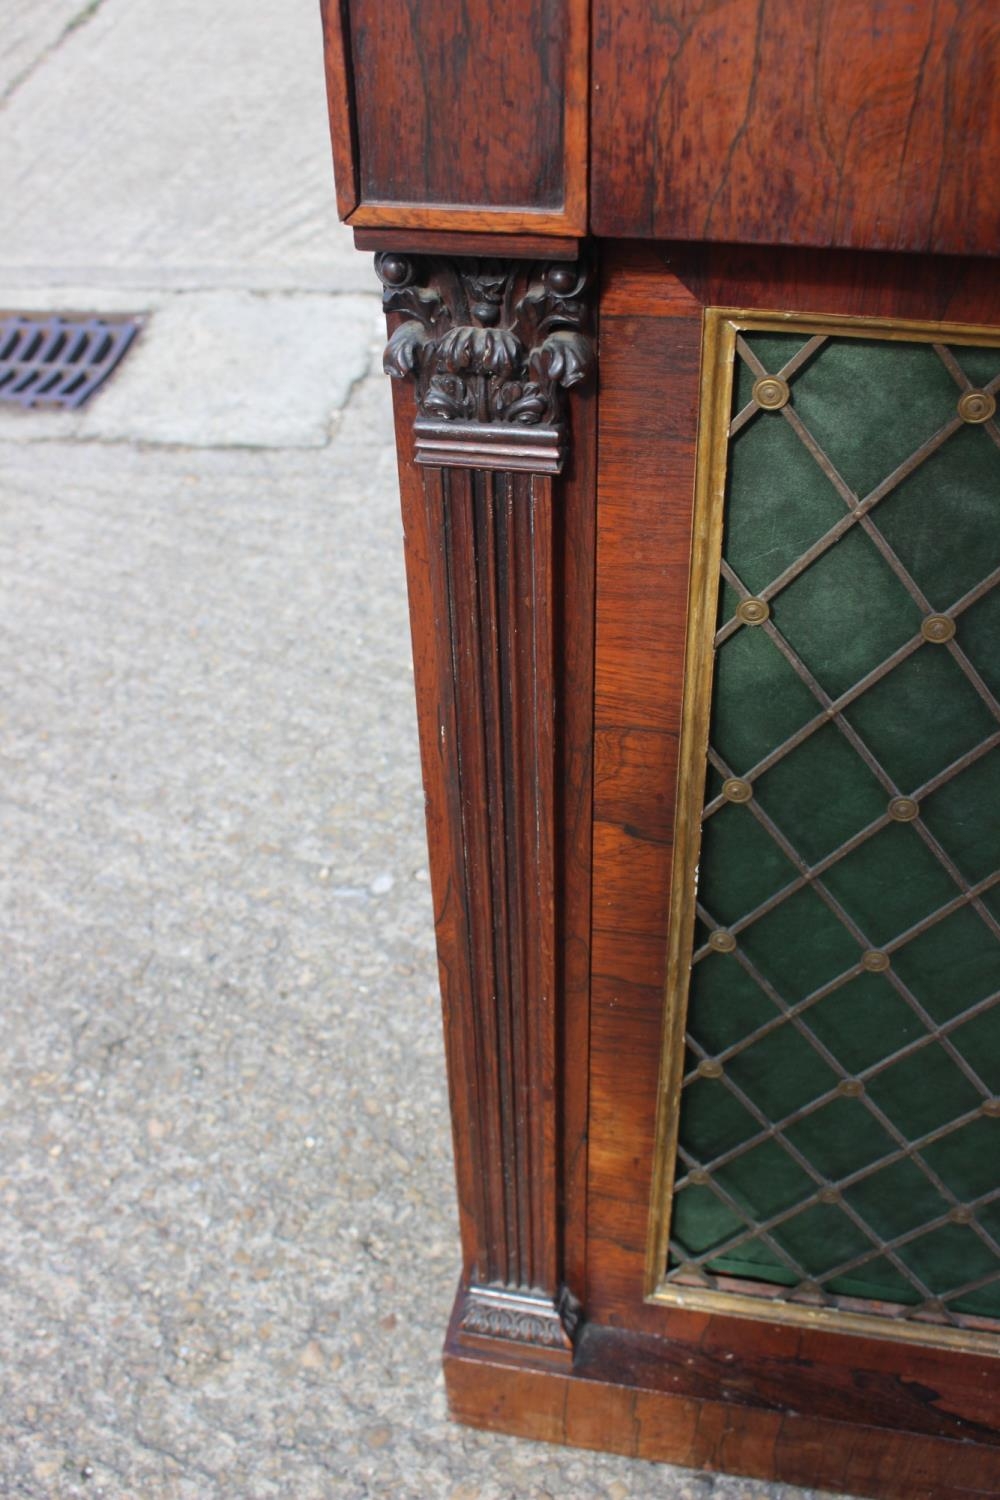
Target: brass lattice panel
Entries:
(830, 1119)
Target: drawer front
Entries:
(459, 117)
(857, 123)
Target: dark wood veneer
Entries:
(429, 57)
(471, 117)
(852, 123)
(448, 242)
(803, 1405)
(651, 307)
(728, 1408)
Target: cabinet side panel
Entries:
(339, 94)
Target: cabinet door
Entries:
(796, 1000)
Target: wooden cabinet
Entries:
(701, 490)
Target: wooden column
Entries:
(488, 347)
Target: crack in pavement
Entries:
(81, 18)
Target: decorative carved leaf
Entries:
(526, 404)
(563, 357)
(403, 351)
(490, 351)
(449, 397)
(498, 1322)
(489, 340)
(426, 306)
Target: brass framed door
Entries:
(829, 1126)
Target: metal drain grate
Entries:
(51, 361)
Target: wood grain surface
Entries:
(856, 123)
(448, 242)
(728, 1407)
(651, 315)
(469, 117)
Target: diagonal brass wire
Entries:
(776, 1132)
(858, 512)
(859, 746)
(785, 373)
(807, 1166)
(867, 523)
(969, 894)
(844, 1268)
(962, 380)
(818, 1177)
(775, 1127)
(872, 1169)
(933, 1033)
(813, 1200)
(793, 1015)
(727, 1200)
(844, 917)
(855, 842)
(834, 706)
(968, 1287)
(855, 972)
(858, 507)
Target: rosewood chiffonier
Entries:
(694, 320)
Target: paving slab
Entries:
(216, 369)
(185, 139)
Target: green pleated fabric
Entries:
(840, 1118)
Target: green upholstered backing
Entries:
(839, 1133)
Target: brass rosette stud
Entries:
(809, 1291)
(722, 941)
(903, 809)
(976, 406)
(937, 629)
(772, 393)
(735, 789)
(753, 611)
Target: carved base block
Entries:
(528, 1324)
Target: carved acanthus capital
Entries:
(488, 341)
